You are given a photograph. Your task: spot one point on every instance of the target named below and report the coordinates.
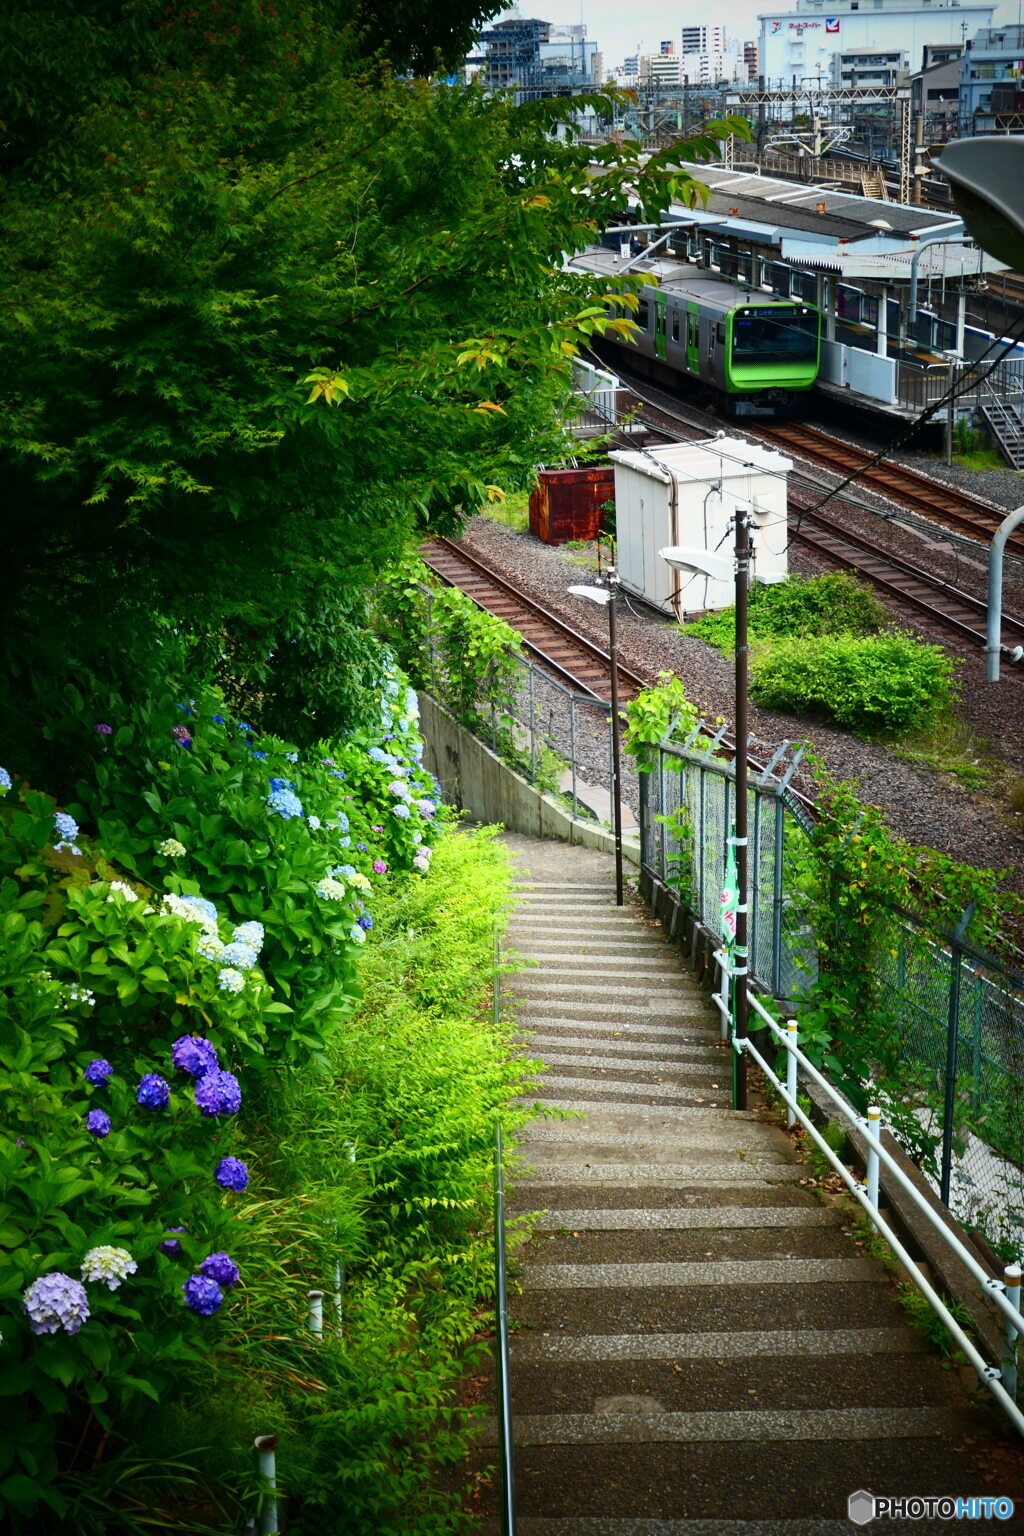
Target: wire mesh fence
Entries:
(956, 1013)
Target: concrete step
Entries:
(666, 988)
(759, 1425)
(588, 1148)
(707, 1273)
(703, 1218)
(682, 1090)
(642, 1115)
(599, 1525)
(736, 1134)
(692, 1029)
(696, 1245)
(711, 1200)
(623, 1051)
(815, 1382)
(639, 1011)
(645, 1069)
(745, 1307)
(581, 947)
(773, 1344)
(686, 1175)
(600, 966)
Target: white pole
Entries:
(792, 1040)
(873, 1130)
(316, 1313)
(267, 1521)
(1011, 1278)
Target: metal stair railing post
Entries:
(1004, 1294)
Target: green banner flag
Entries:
(730, 896)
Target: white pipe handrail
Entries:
(1000, 1380)
(995, 1287)
(989, 1374)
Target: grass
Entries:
(948, 745)
(983, 458)
(514, 511)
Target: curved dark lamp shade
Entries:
(987, 178)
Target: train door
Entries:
(692, 338)
(659, 325)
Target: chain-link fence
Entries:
(955, 1012)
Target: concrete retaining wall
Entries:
(477, 781)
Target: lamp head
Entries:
(595, 594)
(681, 557)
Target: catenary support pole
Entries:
(995, 592)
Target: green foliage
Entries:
(830, 604)
(874, 684)
(658, 714)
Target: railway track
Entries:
(574, 659)
(943, 504)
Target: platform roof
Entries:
(937, 260)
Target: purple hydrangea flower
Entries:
(221, 1268)
(218, 1093)
(194, 1055)
(379, 867)
(203, 1295)
(97, 1123)
(55, 1301)
(98, 1071)
(103, 730)
(181, 733)
(232, 1173)
(153, 1092)
(170, 1245)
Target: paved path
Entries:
(699, 1347)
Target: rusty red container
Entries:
(566, 503)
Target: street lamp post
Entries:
(605, 596)
(705, 563)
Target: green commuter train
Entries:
(749, 351)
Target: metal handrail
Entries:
(1005, 1294)
(503, 1370)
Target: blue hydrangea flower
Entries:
(243, 727)
(231, 981)
(356, 934)
(365, 922)
(341, 821)
(97, 1123)
(194, 1055)
(261, 755)
(219, 719)
(284, 802)
(336, 773)
(241, 956)
(203, 1295)
(205, 911)
(232, 1173)
(220, 1268)
(55, 1301)
(170, 1245)
(98, 1071)
(251, 933)
(5, 781)
(401, 810)
(218, 1093)
(292, 757)
(153, 1092)
(67, 826)
(344, 871)
(378, 754)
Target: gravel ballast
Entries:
(925, 807)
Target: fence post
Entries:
(792, 1040)
(533, 745)
(266, 1523)
(701, 816)
(779, 850)
(976, 1056)
(339, 1294)
(572, 747)
(952, 1046)
(1011, 1279)
(873, 1128)
(754, 894)
(663, 839)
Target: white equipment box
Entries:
(688, 494)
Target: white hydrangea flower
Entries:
(77, 994)
(230, 980)
(119, 888)
(314, 823)
(209, 946)
(359, 881)
(250, 934)
(329, 889)
(171, 848)
(111, 1265)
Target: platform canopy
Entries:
(936, 260)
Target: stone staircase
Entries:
(699, 1348)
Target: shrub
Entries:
(873, 684)
(801, 605)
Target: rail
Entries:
(1004, 1294)
(502, 1363)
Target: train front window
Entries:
(779, 335)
